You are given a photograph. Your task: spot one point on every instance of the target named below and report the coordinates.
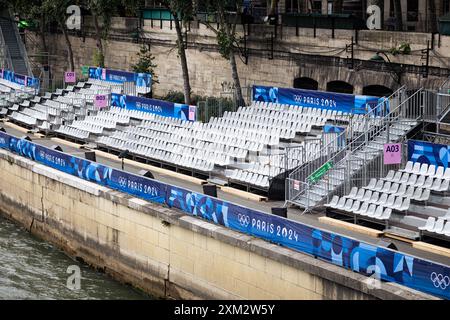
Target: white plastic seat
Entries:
(447, 174)
(446, 228)
(360, 194)
(439, 172)
(428, 182)
(438, 226)
(348, 205)
(378, 212)
(355, 207)
(431, 170)
(423, 169)
(417, 194)
(425, 196)
(416, 168)
(370, 211)
(420, 181)
(372, 183)
(379, 185)
(386, 214)
(334, 201)
(386, 186)
(401, 190)
(367, 195)
(429, 225)
(390, 175)
(352, 193)
(398, 203)
(394, 188)
(375, 196)
(405, 205)
(363, 209)
(444, 186)
(408, 167)
(436, 184)
(390, 200)
(412, 179)
(383, 199)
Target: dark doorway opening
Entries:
(340, 86)
(377, 91)
(306, 83)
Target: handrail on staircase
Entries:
(410, 109)
(20, 44)
(7, 56)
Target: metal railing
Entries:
(6, 61)
(443, 100)
(355, 161)
(21, 45)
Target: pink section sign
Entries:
(70, 77)
(192, 113)
(393, 153)
(101, 101)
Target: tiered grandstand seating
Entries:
(395, 193)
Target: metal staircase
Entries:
(353, 163)
(16, 49)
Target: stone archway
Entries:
(306, 83)
(377, 90)
(340, 87)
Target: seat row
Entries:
(251, 178)
(411, 179)
(415, 193)
(440, 226)
(424, 169)
(371, 210)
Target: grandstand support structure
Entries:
(353, 160)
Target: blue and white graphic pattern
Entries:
(317, 99)
(159, 107)
(388, 265)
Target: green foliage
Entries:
(225, 42)
(145, 63)
(98, 60)
(404, 48)
(174, 96)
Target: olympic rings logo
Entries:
(243, 220)
(122, 181)
(440, 281)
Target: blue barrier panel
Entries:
(349, 253)
(429, 153)
(19, 79)
(387, 265)
(118, 76)
(316, 99)
(159, 107)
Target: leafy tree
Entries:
(226, 36)
(102, 10)
(55, 11)
(145, 63)
(182, 12)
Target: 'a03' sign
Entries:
(393, 153)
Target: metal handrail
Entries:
(7, 55)
(345, 133)
(341, 156)
(22, 49)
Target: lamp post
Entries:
(123, 155)
(377, 57)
